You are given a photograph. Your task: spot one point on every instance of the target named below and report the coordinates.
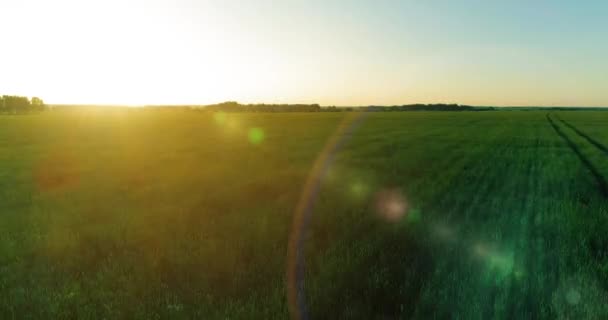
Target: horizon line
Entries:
(321, 105)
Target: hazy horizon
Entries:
(342, 53)
(307, 103)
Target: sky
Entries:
(331, 52)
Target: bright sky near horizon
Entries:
(311, 51)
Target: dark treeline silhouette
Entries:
(427, 107)
(231, 106)
(18, 104)
(554, 108)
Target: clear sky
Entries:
(311, 51)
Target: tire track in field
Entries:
(594, 142)
(602, 184)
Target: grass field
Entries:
(141, 214)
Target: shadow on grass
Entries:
(378, 278)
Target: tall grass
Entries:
(176, 214)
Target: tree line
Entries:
(232, 106)
(18, 104)
(427, 107)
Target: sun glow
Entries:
(122, 52)
(260, 51)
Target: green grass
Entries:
(176, 214)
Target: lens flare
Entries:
(580, 297)
(219, 118)
(358, 189)
(414, 216)
(391, 205)
(295, 255)
(232, 124)
(256, 135)
(573, 297)
(59, 171)
(443, 232)
(501, 262)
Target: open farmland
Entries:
(150, 214)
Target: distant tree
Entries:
(37, 104)
(18, 104)
(229, 104)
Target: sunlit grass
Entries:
(184, 214)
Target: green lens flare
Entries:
(256, 135)
(414, 216)
(219, 117)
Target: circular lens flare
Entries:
(391, 205)
(256, 135)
